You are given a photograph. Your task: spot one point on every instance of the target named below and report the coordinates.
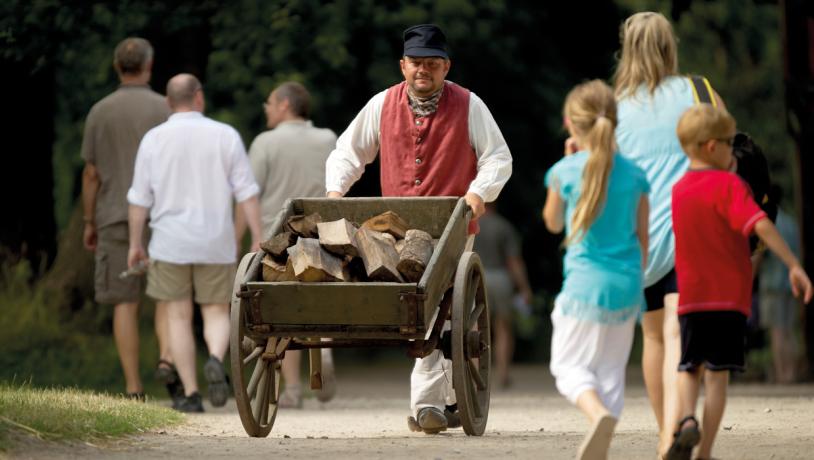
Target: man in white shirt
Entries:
(288, 161)
(187, 172)
(436, 139)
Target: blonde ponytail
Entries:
(590, 109)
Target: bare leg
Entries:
(688, 386)
(125, 334)
(591, 405)
(784, 355)
(291, 368)
(182, 342)
(672, 356)
(597, 442)
(216, 328)
(652, 363)
(715, 384)
(162, 331)
(504, 348)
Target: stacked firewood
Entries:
(383, 248)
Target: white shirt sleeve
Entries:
(494, 158)
(241, 177)
(141, 192)
(355, 148)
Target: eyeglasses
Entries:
(429, 63)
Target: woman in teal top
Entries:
(651, 97)
(601, 200)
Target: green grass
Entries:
(75, 415)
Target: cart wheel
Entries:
(256, 396)
(471, 342)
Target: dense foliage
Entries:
(519, 56)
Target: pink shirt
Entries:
(713, 215)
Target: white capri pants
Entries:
(590, 356)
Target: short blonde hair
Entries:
(703, 122)
(649, 53)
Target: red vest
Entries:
(427, 156)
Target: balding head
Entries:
(182, 93)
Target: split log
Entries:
(400, 246)
(311, 263)
(277, 246)
(356, 269)
(276, 271)
(338, 237)
(378, 252)
(415, 256)
(388, 222)
(304, 226)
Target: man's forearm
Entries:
(251, 211)
(136, 218)
(90, 188)
(517, 270)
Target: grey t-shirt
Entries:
(113, 130)
(289, 162)
(496, 241)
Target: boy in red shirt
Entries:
(713, 216)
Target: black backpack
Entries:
(752, 165)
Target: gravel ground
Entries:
(530, 420)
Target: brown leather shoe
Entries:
(431, 420)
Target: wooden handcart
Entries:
(268, 318)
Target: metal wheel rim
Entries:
(471, 376)
(257, 418)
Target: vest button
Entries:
(418, 140)
(418, 122)
(418, 161)
(418, 182)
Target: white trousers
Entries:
(591, 356)
(431, 381)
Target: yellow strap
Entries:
(711, 93)
(695, 96)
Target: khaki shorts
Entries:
(111, 259)
(211, 283)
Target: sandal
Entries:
(684, 440)
(137, 397)
(167, 374)
(165, 371)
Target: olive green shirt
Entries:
(289, 162)
(113, 130)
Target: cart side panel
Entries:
(350, 304)
(444, 261)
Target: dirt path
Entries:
(368, 420)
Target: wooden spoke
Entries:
(473, 319)
(254, 354)
(474, 402)
(259, 370)
(473, 371)
(260, 399)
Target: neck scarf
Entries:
(424, 106)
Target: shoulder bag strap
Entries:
(702, 91)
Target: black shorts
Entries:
(716, 339)
(654, 295)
